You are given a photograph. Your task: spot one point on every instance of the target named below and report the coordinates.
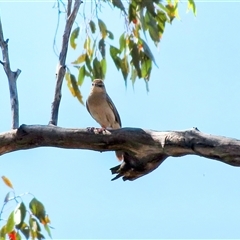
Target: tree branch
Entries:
(144, 150)
(12, 80)
(71, 16)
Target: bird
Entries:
(102, 109)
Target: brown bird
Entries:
(102, 109)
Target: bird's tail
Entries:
(119, 155)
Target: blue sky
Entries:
(196, 85)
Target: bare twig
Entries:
(71, 16)
(12, 79)
(69, 8)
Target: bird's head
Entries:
(98, 86)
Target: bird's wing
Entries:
(88, 109)
(112, 106)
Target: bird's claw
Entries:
(97, 130)
(101, 130)
(90, 129)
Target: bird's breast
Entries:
(101, 111)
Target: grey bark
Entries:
(12, 80)
(71, 16)
(144, 150)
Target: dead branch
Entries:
(12, 80)
(144, 150)
(71, 16)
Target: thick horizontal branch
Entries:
(144, 150)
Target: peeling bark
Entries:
(144, 150)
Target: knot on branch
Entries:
(133, 168)
(26, 137)
(21, 132)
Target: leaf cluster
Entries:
(16, 224)
(133, 56)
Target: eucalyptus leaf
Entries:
(73, 37)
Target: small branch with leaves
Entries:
(15, 225)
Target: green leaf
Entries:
(163, 7)
(110, 35)
(146, 67)
(97, 69)
(18, 236)
(101, 47)
(147, 87)
(88, 73)
(150, 7)
(152, 28)
(92, 26)
(87, 45)
(192, 6)
(76, 92)
(40, 236)
(77, 67)
(69, 83)
(81, 75)
(125, 67)
(119, 4)
(92, 50)
(147, 51)
(133, 75)
(3, 232)
(88, 63)
(67, 76)
(103, 28)
(80, 59)
(113, 53)
(34, 228)
(132, 15)
(154, 34)
(25, 230)
(34, 225)
(48, 230)
(172, 10)
(161, 19)
(136, 59)
(20, 214)
(143, 23)
(73, 37)
(122, 42)
(10, 223)
(37, 208)
(103, 64)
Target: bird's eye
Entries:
(99, 85)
